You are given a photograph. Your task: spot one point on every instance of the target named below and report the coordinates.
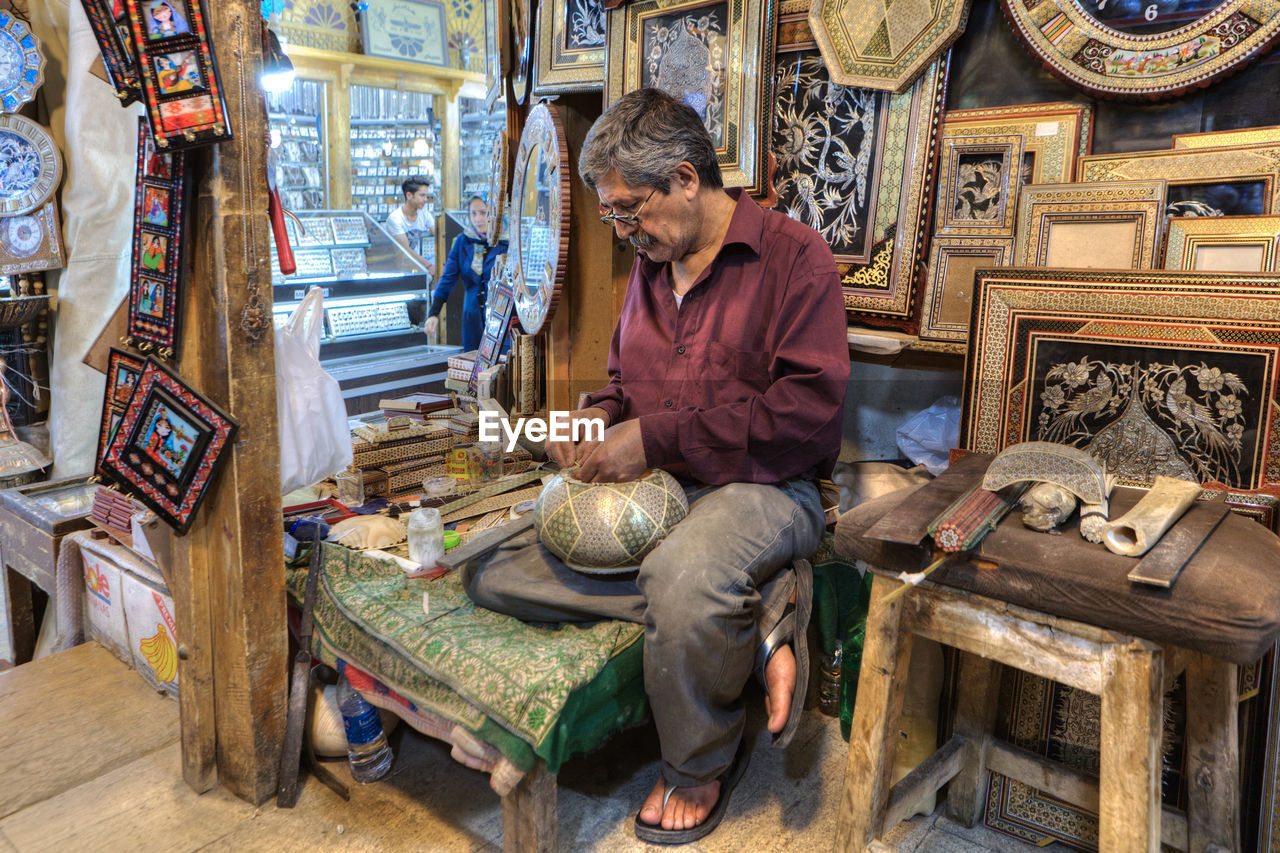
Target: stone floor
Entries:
(90, 760)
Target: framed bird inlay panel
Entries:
(855, 165)
(1053, 135)
(714, 55)
(1152, 372)
(1142, 50)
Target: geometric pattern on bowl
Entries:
(607, 528)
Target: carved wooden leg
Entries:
(873, 737)
(1213, 759)
(1129, 772)
(529, 814)
(978, 692)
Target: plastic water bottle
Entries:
(367, 749)
(426, 537)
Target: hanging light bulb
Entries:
(277, 69)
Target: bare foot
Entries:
(780, 683)
(687, 807)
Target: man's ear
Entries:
(687, 179)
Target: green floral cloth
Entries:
(493, 674)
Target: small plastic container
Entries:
(426, 537)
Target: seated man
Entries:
(728, 369)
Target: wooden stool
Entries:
(1129, 673)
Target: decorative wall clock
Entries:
(31, 241)
(21, 63)
(1151, 49)
(885, 45)
(29, 163)
(539, 217)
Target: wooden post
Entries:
(977, 698)
(1129, 769)
(229, 578)
(873, 736)
(1213, 757)
(529, 814)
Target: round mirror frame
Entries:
(496, 195)
(536, 298)
(1109, 63)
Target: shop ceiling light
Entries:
(277, 69)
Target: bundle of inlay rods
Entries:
(960, 527)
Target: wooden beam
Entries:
(229, 580)
(1213, 754)
(1129, 761)
(414, 75)
(978, 694)
(924, 780)
(1024, 640)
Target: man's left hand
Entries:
(619, 458)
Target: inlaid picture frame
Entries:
(1053, 134)
(156, 271)
(1090, 226)
(978, 182)
(948, 296)
(571, 46)
(123, 371)
(168, 446)
(109, 21)
(715, 55)
(1238, 181)
(857, 166)
(1223, 243)
(1244, 136)
(181, 89)
(1115, 362)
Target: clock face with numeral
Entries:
(1144, 49)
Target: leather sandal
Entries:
(653, 833)
(792, 629)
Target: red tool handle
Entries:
(284, 251)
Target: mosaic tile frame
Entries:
(154, 315)
(571, 46)
(1109, 63)
(881, 45)
(1186, 167)
(948, 296)
(1254, 240)
(123, 371)
(1054, 134)
(1022, 319)
(741, 75)
(1043, 207)
(1227, 138)
(174, 495)
(114, 42)
(179, 117)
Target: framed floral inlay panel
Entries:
(1153, 372)
(855, 165)
(570, 54)
(715, 56)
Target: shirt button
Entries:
(680, 349)
(666, 403)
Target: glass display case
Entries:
(476, 132)
(369, 344)
(297, 119)
(394, 136)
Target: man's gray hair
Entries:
(645, 135)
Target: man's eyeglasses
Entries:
(632, 219)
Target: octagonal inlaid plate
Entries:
(884, 44)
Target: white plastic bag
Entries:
(927, 438)
(314, 439)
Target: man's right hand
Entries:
(432, 326)
(568, 453)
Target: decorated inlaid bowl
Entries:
(607, 528)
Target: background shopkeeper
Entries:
(470, 259)
(408, 225)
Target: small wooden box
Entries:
(36, 516)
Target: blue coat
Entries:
(460, 266)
